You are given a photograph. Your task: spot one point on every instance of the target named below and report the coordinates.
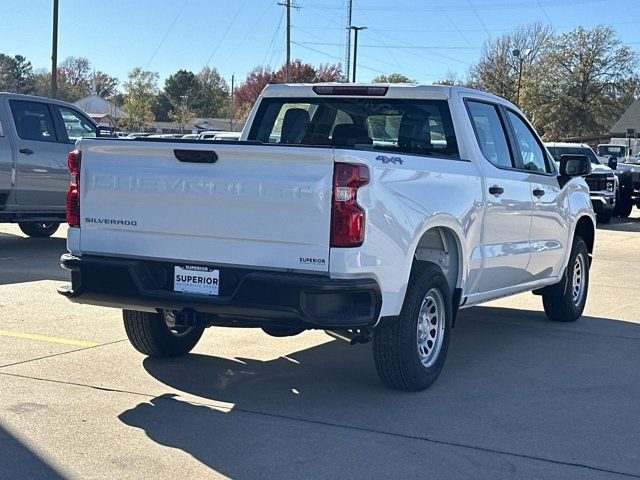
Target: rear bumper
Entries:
(247, 297)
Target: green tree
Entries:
(392, 78)
(140, 90)
(16, 74)
(214, 94)
(588, 80)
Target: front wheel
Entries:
(155, 335)
(39, 229)
(410, 351)
(568, 305)
(604, 217)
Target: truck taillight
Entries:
(347, 217)
(73, 195)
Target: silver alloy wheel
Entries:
(578, 285)
(176, 330)
(431, 321)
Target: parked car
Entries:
(35, 136)
(328, 229)
(603, 184)
(191, 136)
(227, 136)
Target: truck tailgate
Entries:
(263, 206)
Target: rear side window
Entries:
(419, 127)
(490, 133)
(76, 125)
(33, 121)
(532, 154)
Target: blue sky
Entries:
(424, 39)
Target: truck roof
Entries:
(21, 96)
(395, 90)
(566, 144)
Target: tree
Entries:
(246, 94)
(74, 79)
(140, 88)
(451, 79)
(589, 79)
(106, 85)
(16, 74)
(214, 94)
(392, 78)
(504, 59)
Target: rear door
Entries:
(247, 205)
(508, 202)
(41, 155)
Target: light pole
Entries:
(355, 47)
(520, 56)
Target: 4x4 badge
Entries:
(394, 160)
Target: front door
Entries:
(508, 202)
(42, 177)
(549, 222)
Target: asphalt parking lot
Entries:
(519, 397)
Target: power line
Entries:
(484, 26)
(334, 57)
(229, 25)
(175, 19)
(403, 47)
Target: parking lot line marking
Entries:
(45, 338)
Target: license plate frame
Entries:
(196, 280)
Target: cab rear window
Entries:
(419, 127)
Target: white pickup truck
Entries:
(372, 210)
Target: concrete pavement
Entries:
(520, 397)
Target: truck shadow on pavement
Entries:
(519, 397)
(19, 461)
(25, 259)
(631, 224)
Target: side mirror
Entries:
(613, 163)
(104, 131)
(574, 166)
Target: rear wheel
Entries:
(410, 352)
(156, 335)
(568, 305)
(39, 229)
(625, 207)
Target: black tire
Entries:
(560, 305)
(39, 229)
(150, 335)
(604, 217)
(624, 208)
(395, 344)
(281, 332)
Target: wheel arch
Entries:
(587, 231)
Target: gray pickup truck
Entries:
(35, 136)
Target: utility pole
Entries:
(54, 52)
(347, 43)
(287, 5)
(355, 47)
(231, 104)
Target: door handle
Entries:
(538, 192)
(26, 151)
(496, 190)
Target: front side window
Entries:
(531, 152)
(76, 125)
(490, 133)
(420, 127)
(33, 121)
